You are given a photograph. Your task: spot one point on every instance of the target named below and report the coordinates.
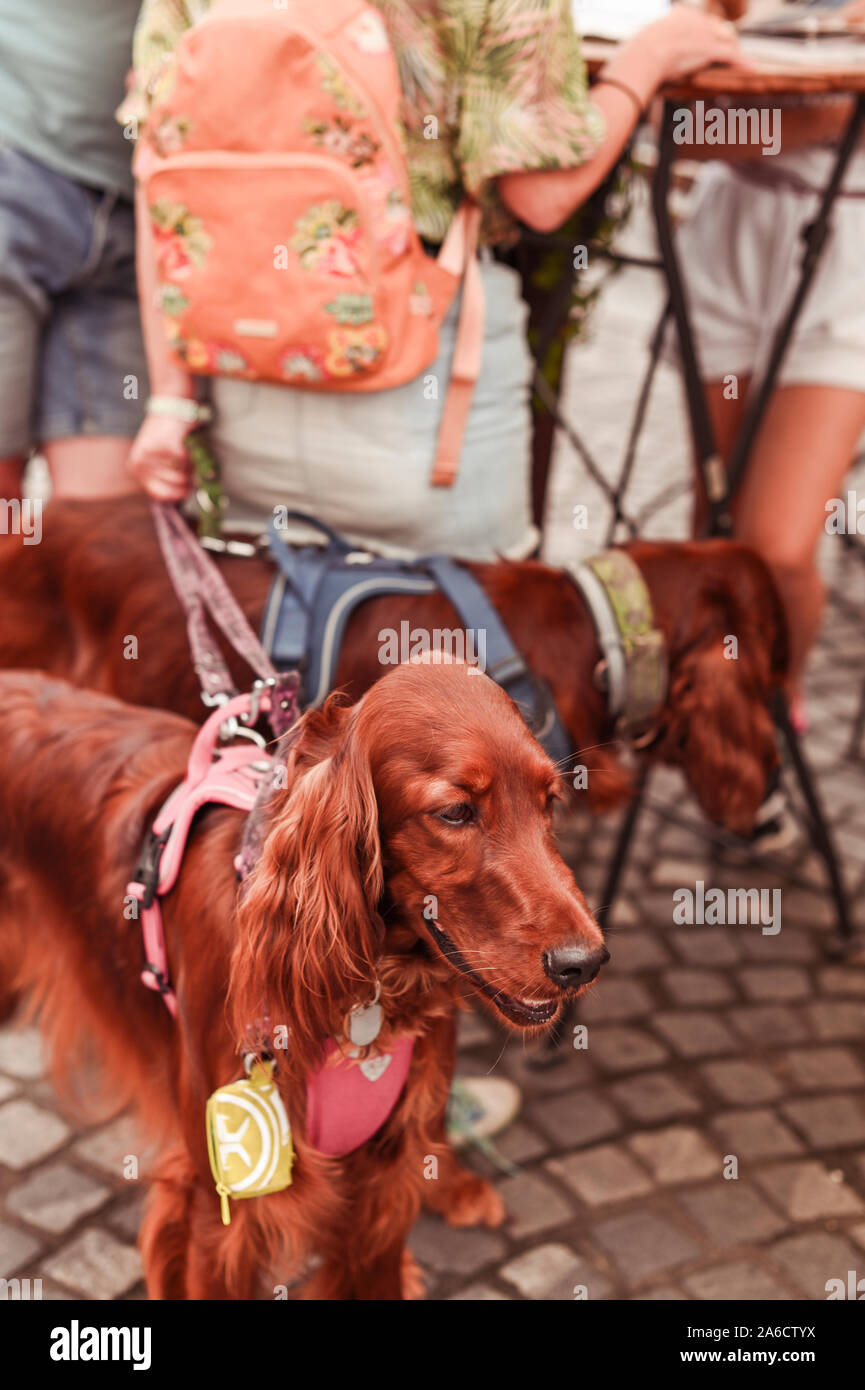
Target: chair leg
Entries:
(819, 825)
(564, 1023)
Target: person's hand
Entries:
(159, 461)
(686, 40)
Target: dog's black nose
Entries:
(571, 966)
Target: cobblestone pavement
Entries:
(703, 1042)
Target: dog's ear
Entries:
(307, 920)
(720, 729)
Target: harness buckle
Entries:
(147, 869)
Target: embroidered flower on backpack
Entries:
(222, 358)
(390, 213)
(172, 301)
(340, 139)
(170, 135)
(305, 363)
(326, 237)
(337, 86)
(369, 34)
(353, 350)
(181, 241)
(352, 308)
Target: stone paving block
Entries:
(28, 1133)
(642, 1244)
(835, 1019)
(806, 909)
(695, 1034)
(577, 1118)
(570, 1067)
(21, 1053)
(698, 987)
(446, 1248)
(810, 1260)
(533, 1205)
(741, 1083)
(677, 1154)
(552, 1272)
(126, 1216)
(822, 1068)
(828, 1122)
(480, 1293)
(707, 946)
(788, 945)
(601, 1175)
(611, 1000)
(618, 1049)
(741, 1281)
(55, 1197)
(768, 1025)
(664, 1293)
(654, 1096)
(96, 1265)
(751, 1134)
(108, 1148)
(808, 1191)
(672, 873)
(774, 982)
(18, 1250)
(633, 951)
(842, 979)
(732, 1212)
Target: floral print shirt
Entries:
(489, 87)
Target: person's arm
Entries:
(681, 43)
(159, 460)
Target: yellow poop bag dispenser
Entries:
(249, 1137)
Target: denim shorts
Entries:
(362, 463)
(71, 352)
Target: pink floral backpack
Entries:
(278, 189)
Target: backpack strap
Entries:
(504, 664)
(458, 255)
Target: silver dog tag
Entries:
(364, 1024)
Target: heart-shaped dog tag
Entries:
(376, 1066)
(364, 1024)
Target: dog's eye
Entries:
(459, 814)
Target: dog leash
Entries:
(202, 592)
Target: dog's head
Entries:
(726, 640)
(422, 813)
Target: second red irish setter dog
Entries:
(429, 787)
(70, 604)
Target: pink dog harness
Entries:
(348, 1099)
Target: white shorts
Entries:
(741, 252)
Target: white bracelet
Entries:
(180, 408)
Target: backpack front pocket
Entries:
(267, 267)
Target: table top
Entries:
(766, 79)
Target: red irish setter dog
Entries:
(430, 784)
(98, 577)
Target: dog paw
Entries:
(475, 1202)
(411, 1278)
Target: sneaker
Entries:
(479, 1107)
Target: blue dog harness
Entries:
(318, 587)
